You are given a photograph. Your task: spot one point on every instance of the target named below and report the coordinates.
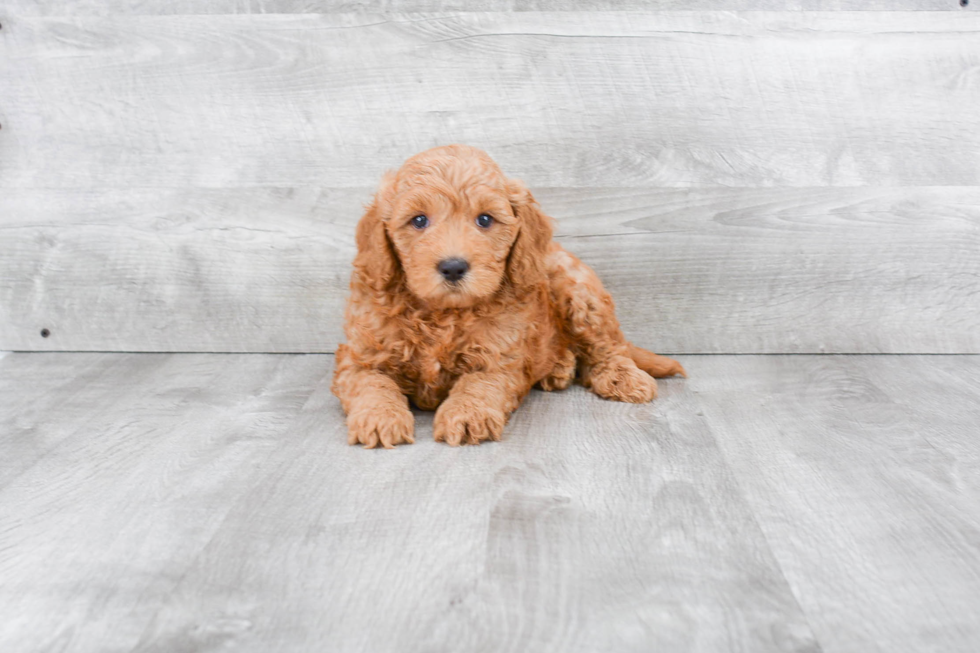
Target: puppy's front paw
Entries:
(461, 420)
(620, 379)
(386, 425)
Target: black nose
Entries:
(453, 269)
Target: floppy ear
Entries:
(525, 267)
(376, 261)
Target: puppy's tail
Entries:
(654, 364)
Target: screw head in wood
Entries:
(45, 333)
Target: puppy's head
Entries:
(455, 227)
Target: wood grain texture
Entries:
(59, 390)
(176, 270)
(663, 99)
(696, 270)
(130, 487)
(137, 151)
(218, 504)
(778, 503)
(864, 473)
(178, 7)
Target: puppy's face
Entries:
(452, 226)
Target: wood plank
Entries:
(176, 270)
(562, 99)
(814, 271)
(205, 515)
(864, 473)
(692, 270)
(98, 531)
(41, 398)
(178, 7)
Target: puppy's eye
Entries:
(484, 220)
(420, 222)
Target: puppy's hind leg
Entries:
(561, 375)
(608, 364)
(654, 364)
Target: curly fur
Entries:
(527, 312)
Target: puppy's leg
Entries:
(654, 364)
(377, 411)
(478, 407)
(562, 375)
(608, 364)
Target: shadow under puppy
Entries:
(461, 300)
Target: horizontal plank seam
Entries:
(331, 353)
(427, 15)
(537, 187)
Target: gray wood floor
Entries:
(194, 502)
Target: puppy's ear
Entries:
(376, 261)
(525, 267)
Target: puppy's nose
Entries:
(453, 269)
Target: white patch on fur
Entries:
(573, 269)
(578, 275)
(560, 258)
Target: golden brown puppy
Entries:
(461, 301)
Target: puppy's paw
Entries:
(386, 425)
(620, 379)
(462, 420)
(562, 375)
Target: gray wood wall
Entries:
(186, 176)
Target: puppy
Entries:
(461, 301)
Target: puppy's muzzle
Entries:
(453, 269)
